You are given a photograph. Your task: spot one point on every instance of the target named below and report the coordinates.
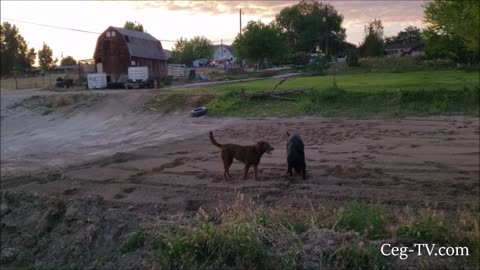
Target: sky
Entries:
(170, 20)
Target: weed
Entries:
(368, 220)
(133, 242)
(358, 256)
(208, 246)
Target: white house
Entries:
(223, 54)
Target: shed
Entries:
(118, 49)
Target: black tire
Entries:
(197, 112)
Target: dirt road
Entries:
(116, 150)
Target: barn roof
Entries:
(142, 44)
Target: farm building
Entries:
(400, 50)
(118, 49)
(223, 53)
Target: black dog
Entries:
(296, 155)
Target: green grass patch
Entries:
(358, 256)
(369, 94)
(368, 220)
(251, 237)
(133, 242)
(207, 246)
(340, 102)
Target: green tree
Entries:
(260, 43)
(439, 46)
(186, 51)
(456, 18)
(68, 61)
(45, 58)
(133, 26)
(305, 29)
(372, 44)
(14, 52)
(411, 34)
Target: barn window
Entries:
(108, 34)
(113, 33)
(132, 63)
(106, 45)
(127, 38)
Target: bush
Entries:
(166, 80)
(369, 220)
(299, 58)
(213, 247)
(352, 59)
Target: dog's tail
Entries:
(214, 141)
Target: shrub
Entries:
(299, 58)
(358, 256)
(368, 220)
(352, 59)
(213, 247)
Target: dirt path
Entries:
(114, 150)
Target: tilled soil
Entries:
(90, 176)
(409, 162)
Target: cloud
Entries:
(393, 14)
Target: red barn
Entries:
(119, 48)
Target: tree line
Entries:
(312, 27)
(17, 58)
(307, 27)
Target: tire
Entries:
(197, 112)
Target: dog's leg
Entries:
(225, 164)
(289, 169)
(304, 173)
(228, 161)
(245, 172)
(255, 169)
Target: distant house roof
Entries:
(142, 44)
(401, 46)
(228, 47)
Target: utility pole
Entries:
(326, 31)
(240, 21)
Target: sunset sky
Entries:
(170, 20)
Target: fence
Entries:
(78, 74)
(177, 70)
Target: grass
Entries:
(369, 220)
(388, 94)
(248, 236)
(421, 93)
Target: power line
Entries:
(77, 30)
(52, 26)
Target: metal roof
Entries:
(142, 44)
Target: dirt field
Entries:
(143, 158)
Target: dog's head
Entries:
(265, 147)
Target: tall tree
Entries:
(411, 34)
(14, 52)
(45, 58)
(68, 61)
(186, 51)
(306, 29)
(134, 26)
(260, 43)
(460, 18)
(372, 44)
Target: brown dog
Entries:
(248, 155)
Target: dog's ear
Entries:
(288, 134)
